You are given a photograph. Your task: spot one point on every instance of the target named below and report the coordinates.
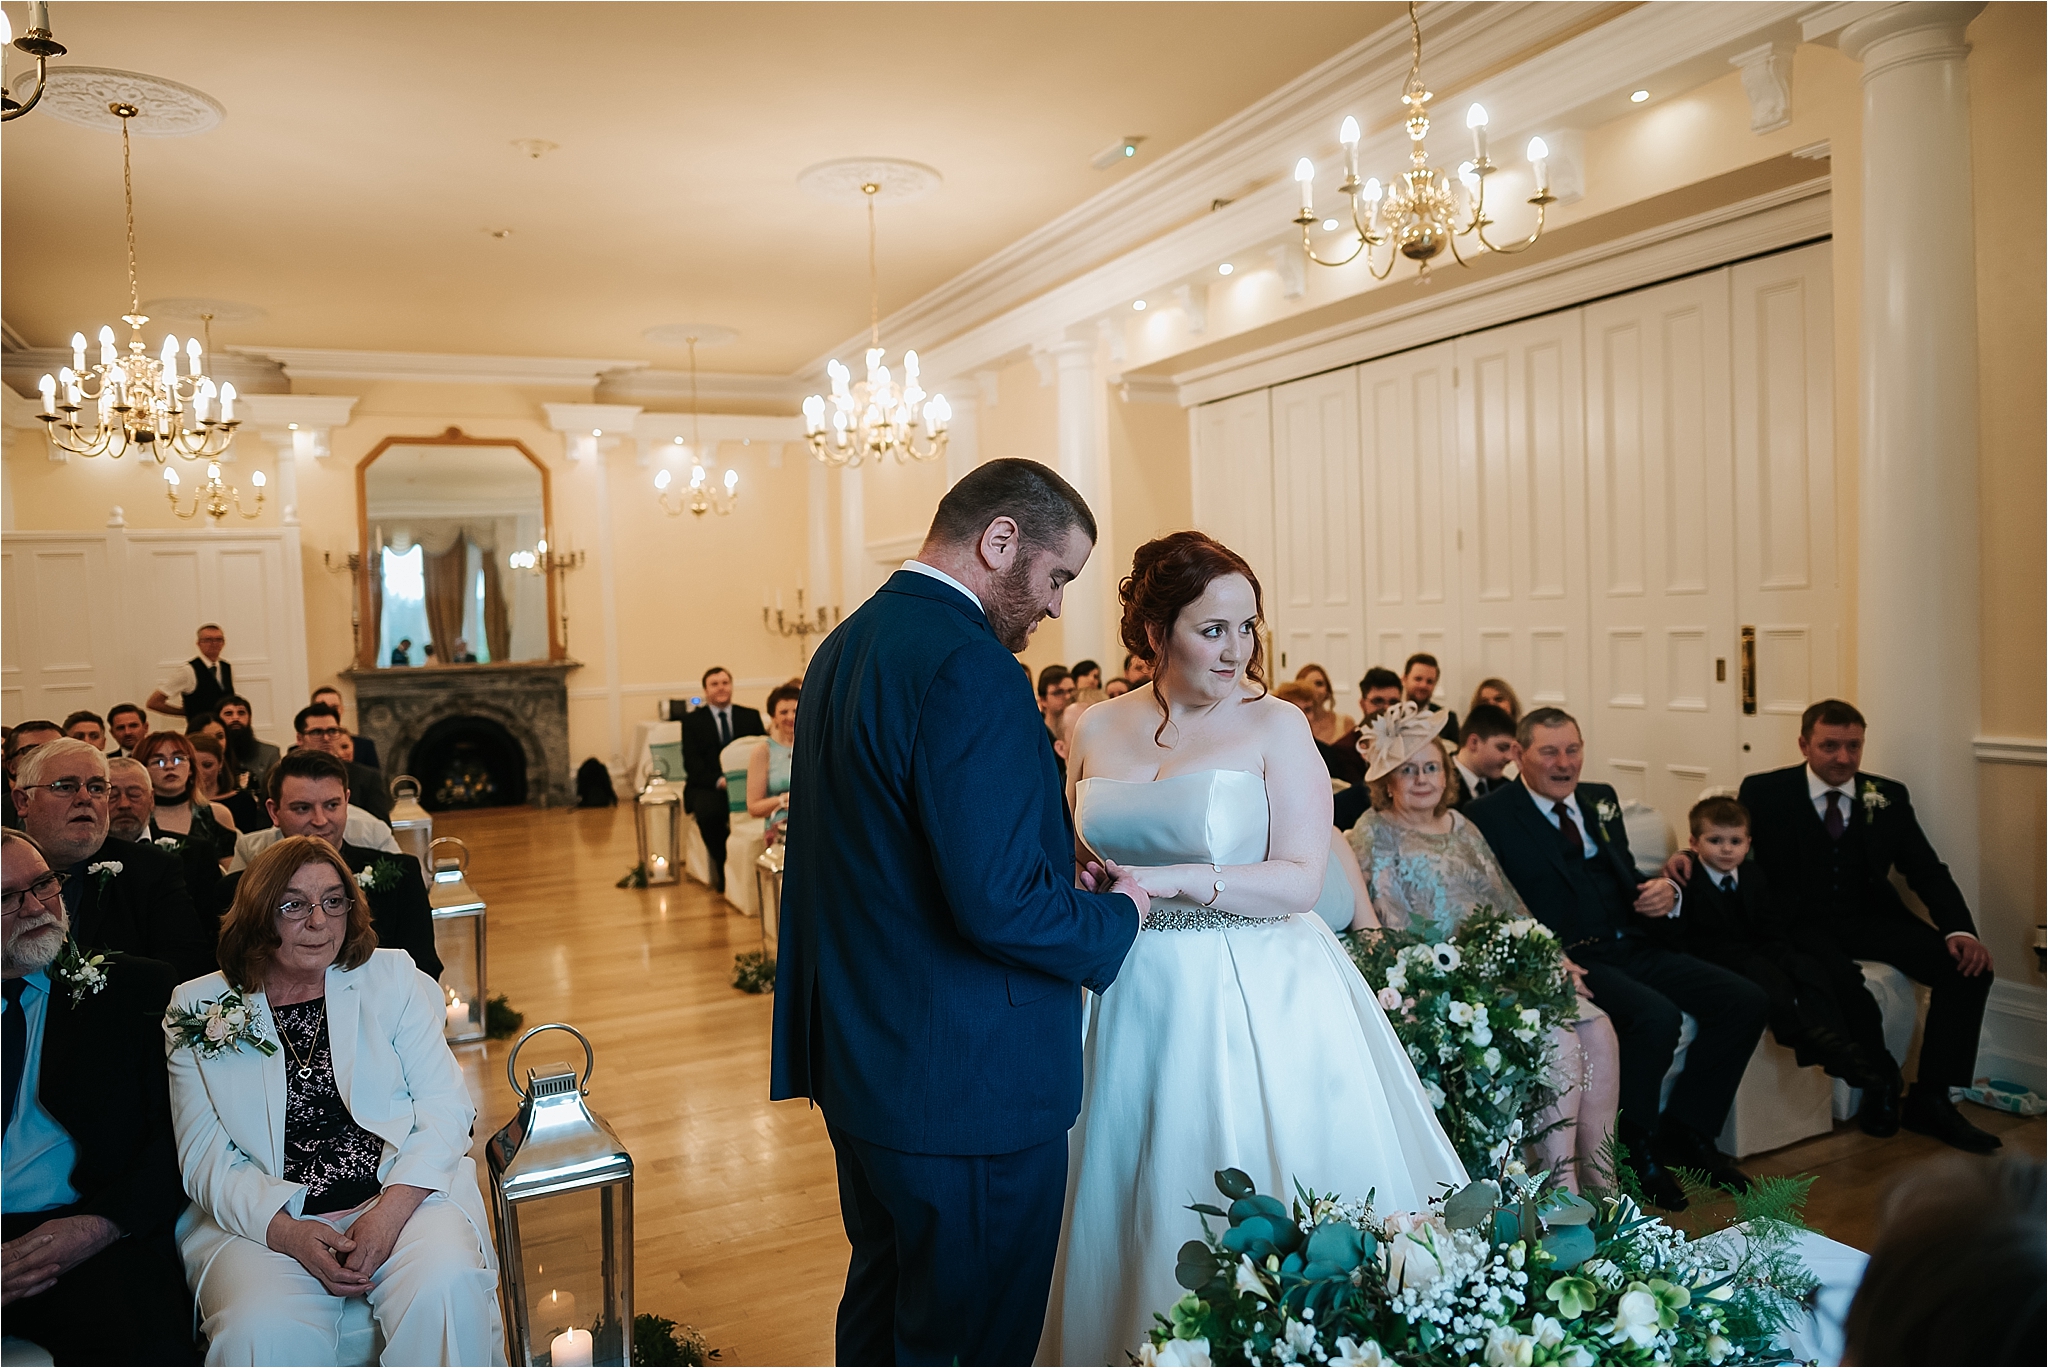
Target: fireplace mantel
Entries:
(394, 708)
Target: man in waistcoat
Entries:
(200, 683)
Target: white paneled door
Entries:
(1233, 477)
(1314, 602)
(1408, 448)
(60, 637)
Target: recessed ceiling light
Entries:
(1329, 225)
(1139, 305)
(1639, 96)
(1225, 269)
(499, 233)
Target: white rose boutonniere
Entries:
(379, 876)
(1873, 799)
(82, 972)
(1607, 812)
(104, 871)
(169, 843)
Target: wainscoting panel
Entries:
(1315, 606)
(1233, 477)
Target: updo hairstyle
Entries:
(1167, 574)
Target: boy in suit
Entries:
(1819, 1007)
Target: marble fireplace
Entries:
(490, 734)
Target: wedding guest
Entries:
(24, 738)
(376, 1148)
(768, 766)
(401, 654)
(1055, 692)
(1418, 686)
(202, 834)
(1115, 687)
(1426, 869)
(1325, 721)
(1829, 837)
(1378, 691)
(220, 782)
(252, 756)
(88, 727)
(463, 654)
(1136, 671)
(1563, 846)
(121, 895)
(1087, 675)
(309, 797)
(89, 1271)
(201, 682)
(131, 799)
(366, 749)
(1819, 1006)
(127, 724)
(205, 724)
(319, 728)
(1486, 747)
(1497, 693)
(707, 731)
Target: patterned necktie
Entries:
(1569, 829)
(13, 1043)
(1837, 819)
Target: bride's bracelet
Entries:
(1218, 892)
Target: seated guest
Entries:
(89, 1271)
(88, 727)
(1426, 869)
(1377, 692)
(127, 723)
(1497, 693)
(359, 829)
(1136, 671)
(121, 895)
(1486, 747)
(1829, 836)
(768, 766)
(1087, 675)
(1055, 691)
(221, 783)
(319, 729)
(366, 749)
(131, 799)
(377, 1149)
(1324, 721)
(1300, 694)
(1115, 687)
(309, 797)
(20, 741)
(201, 833)
(251, 756)
(1565, 850)
(1418, 686)
(401, 654)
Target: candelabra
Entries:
(38, 44)
(806, 624)
(215, 498)
(700, 496)
(542, 561)
(353, 563)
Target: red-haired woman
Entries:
(1238, 1033)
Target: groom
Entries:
(933, 942)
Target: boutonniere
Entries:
(104, 870)
(173, 844)
(380, 875)
(1873, 799)
(81, 972)
(216, 1027)
(1607, 812)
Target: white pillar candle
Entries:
(458, 1019)
(572, 1347)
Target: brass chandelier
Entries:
(876, 417)
(700, 496)
(1421, 210)
(38, 43)
(214, 498)
(137, 401)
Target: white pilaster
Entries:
(817, 529)
(853, 538)
(298, 427)
(963, 433)
(1917, 572)
(1084, 615)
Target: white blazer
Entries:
(393, 1067)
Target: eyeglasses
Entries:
(321, 732)
(169, 762)
(296, 909)
(44, 890)
(68, 788)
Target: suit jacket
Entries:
(399, 909)
(701, 770)
(1791, 843)
(1465, 796)
(261, 759)
(1558, 890)
(1750, 918)
(934, 945)
(366, 790)
(102, 1079)
(393, 1069)
(146, 909)
(366, 753)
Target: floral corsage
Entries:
(1607, 812)
(169, 844)
(216, 1027)
(1873, 799)
(81, 972)
(104, 871)
(379, 876)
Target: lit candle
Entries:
(170, 358)
(458, 1018)
(78, 351)
(1305, 173)
(1539, 158)
(227, 403)
(1475, 119)
(1348, 135)
(48, 386)
(106, 347)
(192, 356)
(659, 863)
(556, 1310)
(572, 1347)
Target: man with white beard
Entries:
(90, 1190)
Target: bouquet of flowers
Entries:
(1512, 1271)
(1476, 1014)
(215, 1027)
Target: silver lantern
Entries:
(562, 1191)
(412, 826)
(458, 939)
(658, 814)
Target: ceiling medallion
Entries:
(164, 109)
(845, 181)
(196, 309)
(701, 496)
(1421, 210)
(680, 335)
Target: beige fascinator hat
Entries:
(1396, 736)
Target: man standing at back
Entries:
(201, 682)
(934, 944)
(707, 731)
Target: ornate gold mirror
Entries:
(455, 532)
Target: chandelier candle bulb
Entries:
(48, 385)
(78, 351)
(192, 353)
(227, 402)
(1304, 173)
(1348, 135)
(106, 347)
(1475, 119)
(1539, 159)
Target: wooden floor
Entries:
(736, 1205)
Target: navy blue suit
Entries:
(928, 996)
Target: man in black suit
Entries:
(1486, 747)
(319, 729)
(366, 749)
(707, 731)
(1418, 686)
(127, 723)
(1564, 848)
(1829, 837)
(121, 895)
(309, 797)
(89, 1270)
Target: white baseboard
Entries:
(2015, 1025)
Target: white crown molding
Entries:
(2010, 750)
(648, 387)
(325, 363)
(712, 428)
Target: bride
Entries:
(1238, 1034)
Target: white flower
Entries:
(1389, 1000)
(1248, 1280)
(1602, 1271)
(1413, 1264)
(1873, 799)
(1606, 811)
(104, 867)
(1548, 1331)
(1482, 1035)
(1578, 1356)
(218, 1028)
(1531, 1017)
(1446, 956)
(1635, 1318)
(1509, 1347)
(1178, 1353)
(1521, 926)
(366, 880)
(167, 842)
(1351, 1354)
(1297, 1341)
(1491, 1059)
(1436, 1094)
(1460, 1013)
(1718, 1349)
(238, 1018)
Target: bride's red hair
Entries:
(1167, 574)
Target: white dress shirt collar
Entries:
(1818, 790)
(1548, 806)
(919, 567)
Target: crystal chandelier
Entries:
(701, 496)
(1421, 210)
(137, 400)
(875, 417)
(214, 498)
(37, 43)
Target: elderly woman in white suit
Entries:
(335, 1166)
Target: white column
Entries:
(1917, 562)
(1084, 616)
(853, 538)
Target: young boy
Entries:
(1819, 1007)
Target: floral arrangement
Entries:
(215, 1027)
(1512, 1271)
(754, 972)
(82, 972)
(1476, 1014)
(379, 875)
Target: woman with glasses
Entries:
(199, 831)
(312, 1186)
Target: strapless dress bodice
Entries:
(1214, 816)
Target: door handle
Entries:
(1749, 672)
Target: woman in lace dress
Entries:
(1427, 869)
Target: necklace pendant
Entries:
(305, 1071)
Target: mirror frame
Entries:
(366, 654)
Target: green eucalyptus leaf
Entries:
(1259, 1204)
(1565, 1208)
(1569, 1245)
(1235, 1184)
(1336, 1243)
(1473, 1205)
(1196, 1266)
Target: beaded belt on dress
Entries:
(1197, 919)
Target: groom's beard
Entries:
(1009, 606)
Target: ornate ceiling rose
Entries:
(845, 181)
(165, 109)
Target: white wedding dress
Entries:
(1223, 1043)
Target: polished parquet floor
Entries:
(735, 1202)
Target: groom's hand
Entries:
(1126, 883)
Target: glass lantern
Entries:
(412, 826)
(562, 1192)
(458, 939)
(659, 821)
(768, 882)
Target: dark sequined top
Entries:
(324, 1148)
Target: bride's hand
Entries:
(1163, 881)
